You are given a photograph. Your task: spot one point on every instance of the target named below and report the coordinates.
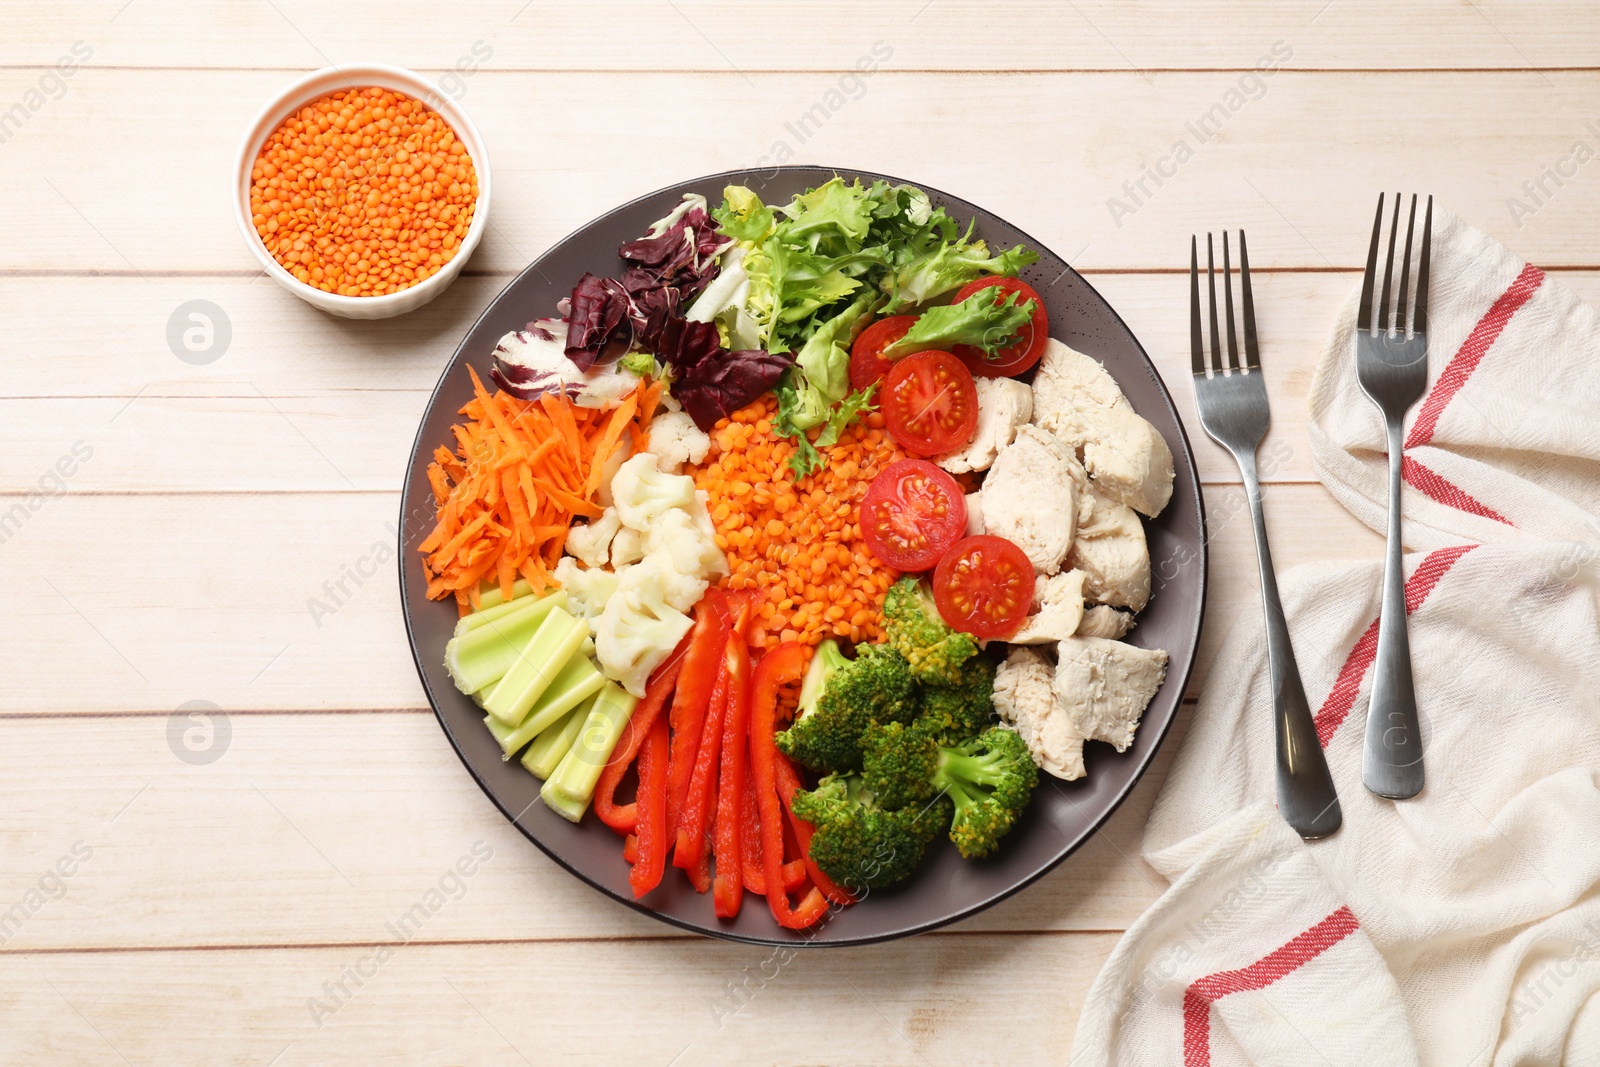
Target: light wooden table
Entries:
(235, 911)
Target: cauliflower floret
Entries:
(1075, 399)
(1003, 405)
(686, 543)
(627, 548)
(1028, 498)
(638, 629)
(1026, 701)
(1057, 610)
(643, 493)
(1102, 620)
(591, 541)
(1106, 685)
(588, 588)
(676, 440)
(1110, 550)
(700, 512)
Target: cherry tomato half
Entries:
(912, 513)
(930, 403)
(1008, 362)
(866, 365)
(984, 586)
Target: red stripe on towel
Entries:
(1281, 961)
(1342, 697)
(1472, 350)
(1435, 486)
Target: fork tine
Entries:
(1388, 271)
(1401, 308)
(1197, 345)
(1252, 355)
(1364, 319)
(1227, 296)
(1211, 284)
(1419, 321)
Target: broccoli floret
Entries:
(898, 763)
(840, 698)
(964, 709)
(990, 779)
(859, 843)
(933, 650)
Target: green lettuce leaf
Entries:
(949, 266)
(980, 321)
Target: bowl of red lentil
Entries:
(363, 190)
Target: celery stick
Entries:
(478, 658)
(536, 666)
(468, 623)
(569, 789)
(491, 597)
(547, 749)
(577, 682)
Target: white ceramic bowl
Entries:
(314, 87)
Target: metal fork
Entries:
(1232, 400)
(1392, 367)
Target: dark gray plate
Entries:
(1063, 814)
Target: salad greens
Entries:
(817, 270)
(980, 321)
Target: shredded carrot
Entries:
(798, 543)
(519, 474)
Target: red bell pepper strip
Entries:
(788, 783)
(693, 697)
(630, 849)
(728, 889)
(755, 879)
(695, 821)
(624, 817)
(652, 807)
(783, 664)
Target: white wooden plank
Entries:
(989, 1000)
(1298, 173)
(722, 35)
(144, 602)
(302, 402)
(319, 830)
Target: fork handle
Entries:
(1391, 764)
(1306, 796)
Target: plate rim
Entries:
(800, 938)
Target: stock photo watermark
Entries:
(453, 82)
(50, 86)
(1220, 516)
(47, 487)
(1251, 86)
(48, 888)
(448, 888)
(849, 86)
(342, 588)
(1538, 192)
(199, 732)
(199, 332)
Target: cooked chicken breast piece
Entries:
(1078, 401)
(1110, 549)
(1003, 405)
(1025, 698)
(1028, 498)
(1106, 685)
(1057, 610)
(1104, 621)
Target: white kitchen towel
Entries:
(1461, 928)
(1505, 444)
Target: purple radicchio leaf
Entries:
(719, 385)
(599, 308)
